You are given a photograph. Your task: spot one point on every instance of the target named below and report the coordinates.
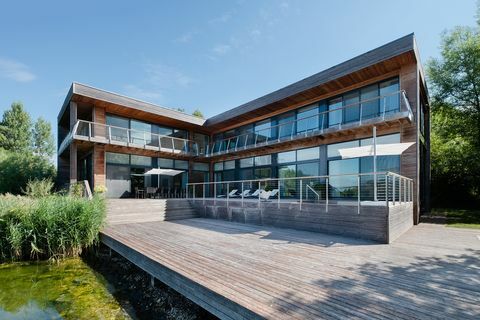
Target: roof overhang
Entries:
(370, 65)
(122, 105)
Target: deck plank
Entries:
(242, 271)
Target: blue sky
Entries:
(211, 55)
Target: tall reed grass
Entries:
(49, 227)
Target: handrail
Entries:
(400, 93)
(309, 187)
(305, 178)
(131, 135)
(393, 189)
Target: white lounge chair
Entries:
(245, 194)
(231, 194)
(266, 195)
(254, 194)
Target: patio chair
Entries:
(231, 194)
(264, 195)
(254, 194)
(245, 194)
(151, 192)
(139, 193)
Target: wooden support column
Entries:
(73, 147)
(99, 170)
(73, 163)
(409, 165)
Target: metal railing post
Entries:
(89, 131)
(386, 190)
(384, 107)
(358, 194)
(326, 195)
(405, 191)
(361, 113)
(278, 197)
(173, 146)
(393, 189)
(259, 192)
(242, 194)
(301, 193)
(193, 191)
(128, 136)
(214, 193)
(144, 139)
(109, 134)
(204, 187)
(228, 193)
(400, 190)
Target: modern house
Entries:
(297, 131)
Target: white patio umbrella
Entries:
(159, 172)
(390, 149)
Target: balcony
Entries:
(380, 109)
(106, 134)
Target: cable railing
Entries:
(363, 112)
(98, 132)
(330, 190)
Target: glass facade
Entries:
(361, 104)
(317, 161)
(125, 175)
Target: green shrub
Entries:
(39, 188)
(16, 169)
(50, 227)
(76, 189)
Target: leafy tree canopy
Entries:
(197, 113)
(43, 144)
(15, 129)
(454, 79)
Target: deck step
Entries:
(145, 210)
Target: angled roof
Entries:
(121, 100)
(387, 51)
(373, 63)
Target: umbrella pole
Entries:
(374, 163)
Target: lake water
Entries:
(67, 290)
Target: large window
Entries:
(307, 119)
(390, 97)
(286, 125)
(370, 103)
(343, 186)
(335, 115)
(351, 112)
(263, 131)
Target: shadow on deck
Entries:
(240, 271)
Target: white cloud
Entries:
(15, 70)
(225, 17)
(221, 49)
(157, 80)
(136, 92)
(163, 76)
(186, 37)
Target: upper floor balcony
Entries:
(339, 117)
(381, 109)
(108, 134)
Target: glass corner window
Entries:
(218, 166)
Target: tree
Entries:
(455, 118)
(197, 113)
(43, 144)
(179, 109)
(16, 169)
(15, 129)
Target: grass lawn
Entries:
(459, 218)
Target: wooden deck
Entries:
(241, 271)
